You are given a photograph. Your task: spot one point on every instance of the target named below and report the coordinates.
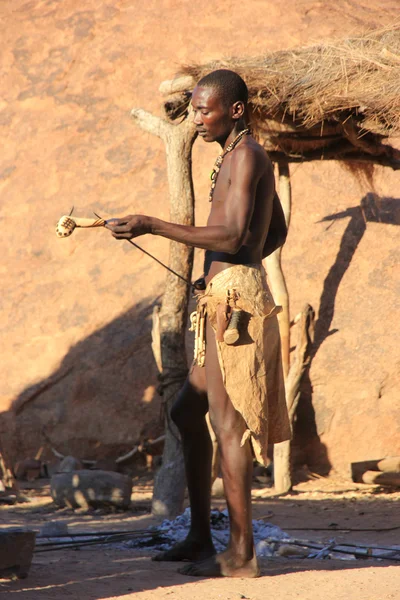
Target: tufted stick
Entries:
(67, 224)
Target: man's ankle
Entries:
(200, 536)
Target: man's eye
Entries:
(204, 112)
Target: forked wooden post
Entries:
(171, 319)
(282, 451)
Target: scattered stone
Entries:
(6, 498)
(69, 464)
(91, 489)
(16, 551)
(287, 550)
(54, 529)
(28, 469)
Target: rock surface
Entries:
(76, 312)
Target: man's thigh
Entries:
(223, 415)
(191, 403)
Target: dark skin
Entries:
(245, 218)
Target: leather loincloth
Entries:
(251, 367)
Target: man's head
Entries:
(219, 102)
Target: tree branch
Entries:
(151, 123)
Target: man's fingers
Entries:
(118, 227)
(122, 236)
(111, 223)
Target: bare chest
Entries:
(220, 193)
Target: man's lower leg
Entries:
(197, 450)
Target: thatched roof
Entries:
(338, 99)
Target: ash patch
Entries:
(172, 532)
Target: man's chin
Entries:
(206, 137)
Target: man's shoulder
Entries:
(252, 153)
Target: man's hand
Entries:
(129, 227)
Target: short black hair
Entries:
(229, 84)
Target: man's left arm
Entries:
(228, 235)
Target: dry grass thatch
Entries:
(323, 82)
(343, 95)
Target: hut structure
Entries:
(334, 101)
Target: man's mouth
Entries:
(201, 132)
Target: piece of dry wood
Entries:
(388, 464)
(156, 337)
(301, 359)
(380, 478)
(178, 84)
(139, 448)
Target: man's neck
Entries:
(238, 127)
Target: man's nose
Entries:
(197, 118)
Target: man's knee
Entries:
(190, 406)
(227, 424)
(177, 413)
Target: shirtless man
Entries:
(245, 224)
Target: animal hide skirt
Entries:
(242, 312)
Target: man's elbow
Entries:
(233, 245)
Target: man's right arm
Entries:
(277, 231)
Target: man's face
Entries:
(212, 118)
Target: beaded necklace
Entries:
(220, 160)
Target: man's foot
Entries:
(189, 550)
(223, 565)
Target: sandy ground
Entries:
(358, 513)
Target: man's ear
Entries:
(237, 110)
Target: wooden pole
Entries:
(171, 319)
(282, 475)
(275, 272)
